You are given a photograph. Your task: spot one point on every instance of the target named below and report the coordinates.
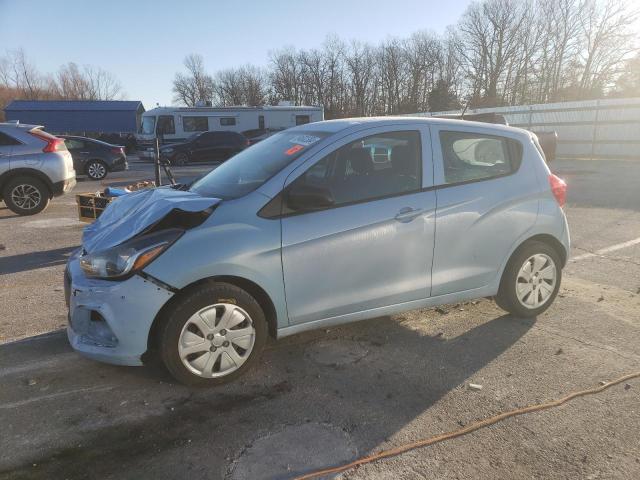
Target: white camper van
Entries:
(176, 124)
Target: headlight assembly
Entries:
(129, 257)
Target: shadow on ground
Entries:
(35, 260)
(394, 376)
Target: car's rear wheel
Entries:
(531, 280)
(96, 170)
(213, 335)
(181, 160)
(26, 195)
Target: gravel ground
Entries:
(329, 396)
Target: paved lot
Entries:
(326, 397)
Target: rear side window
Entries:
(471, 156)
(7, 141)
(73, 144)
(195, 124)
(227, 121)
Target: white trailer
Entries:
(176, 124)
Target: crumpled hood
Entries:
(127, 216)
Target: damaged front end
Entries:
(146, 211)
(112, 302)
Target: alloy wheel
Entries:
(217, 340)
(96, 170)
(536, 281)
(26, 196)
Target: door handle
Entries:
(84, 152)
(407, 214)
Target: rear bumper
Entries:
(64, 186)
(109, 321)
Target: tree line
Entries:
(20, 79)
(500, 52)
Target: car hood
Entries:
(131, 214)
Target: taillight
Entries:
(117, 150)
(54, 144)
(558, 188)
(247, 142)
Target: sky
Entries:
(143, 43)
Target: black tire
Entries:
(35, 188)
(180, 313)
(96, 169)
(507, 298)
(181, 160)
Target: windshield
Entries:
(250, 168)
(148, 125)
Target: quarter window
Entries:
(359, 171)
(195, 124)
(6, 140)
(227, 121)
(471, 156)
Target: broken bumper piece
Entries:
(107, 320)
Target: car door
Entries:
(205, 147)
(224, 145)
(79, 152)
(485, 203)
(373, 247)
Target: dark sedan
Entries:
(205, 146)
(95, 158)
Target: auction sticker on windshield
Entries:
(304, 140)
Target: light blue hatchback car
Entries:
(318, 225)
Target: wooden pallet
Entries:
(91, 206)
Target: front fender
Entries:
(223, 246)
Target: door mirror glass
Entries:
(303, 197)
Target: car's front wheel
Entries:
(96, 170)
(531, 280)
(26, 195)
(213, 335)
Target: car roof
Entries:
(92, 140)
(334, 126)
(24, 126)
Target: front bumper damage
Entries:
(110, 321)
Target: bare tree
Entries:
(195, 86)
(360, 65)
(286, 76)
(607, 42)
(17, 73)
(241, 86)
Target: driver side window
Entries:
(369, 168)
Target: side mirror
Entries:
(308, 197)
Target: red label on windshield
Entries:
(294, 149)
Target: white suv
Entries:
(34, 167)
